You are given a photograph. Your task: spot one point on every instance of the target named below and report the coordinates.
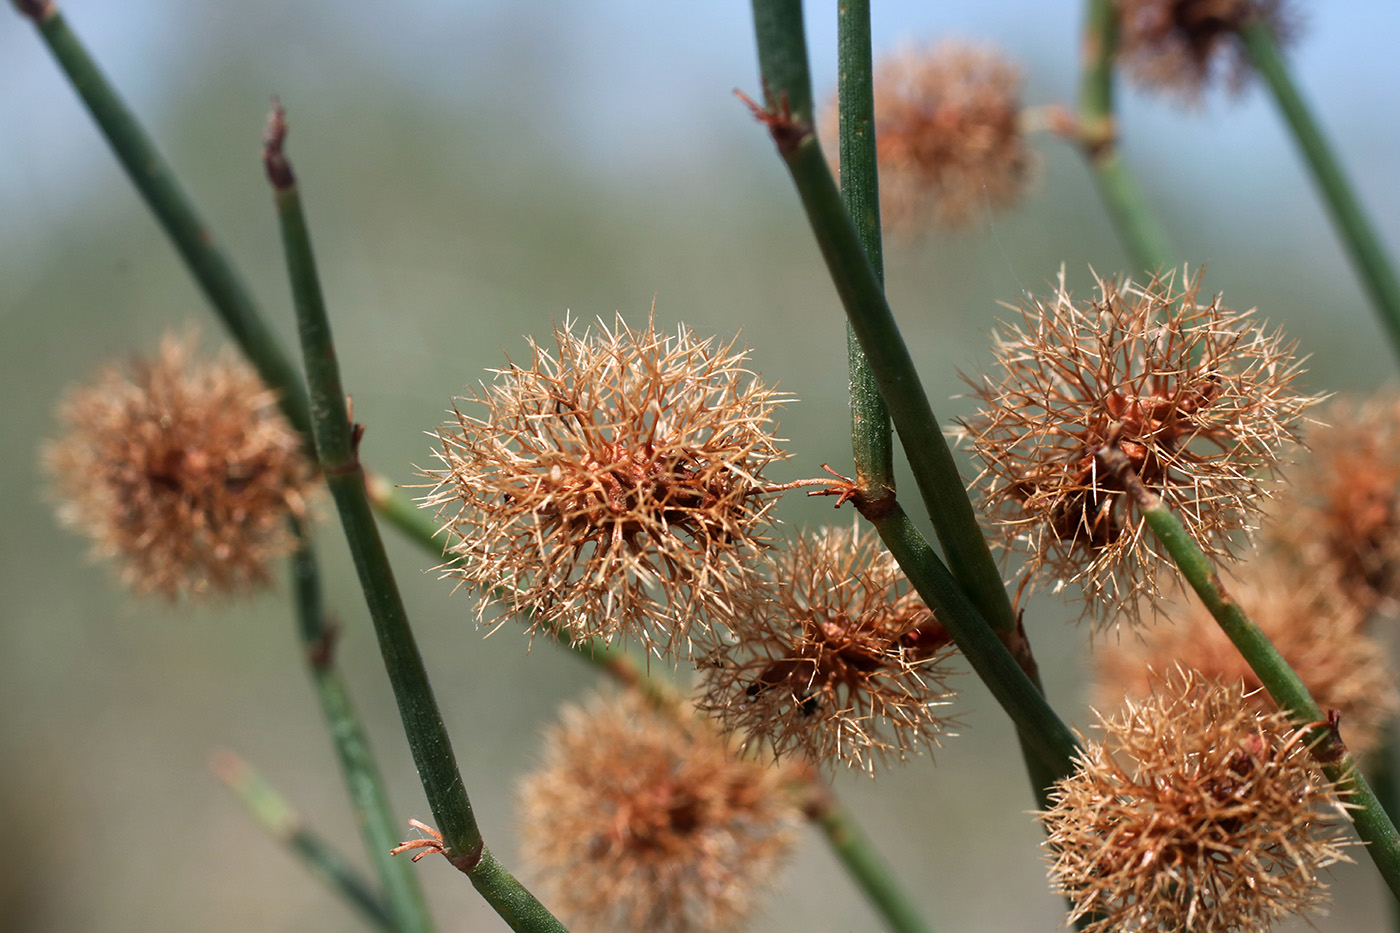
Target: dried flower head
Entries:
(645, 820)
(1338, 517)
(841, 662)
(1197, 812)
(614, 486)
(1322, 637)
(1183, 46)
(183, 472)
(948, 135)
(1200, 399)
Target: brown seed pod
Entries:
(1338, 517)
(1182, 47)
(1198, 811)
(182, 472)
(840, 661)
(644, 820)
(948, 135)
(1201, 400)
(613, 487)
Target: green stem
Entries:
(871, 441)
(272, 812)
(368, 797)
(1382, 766)
(1283, 684)
(336, 446)
(1362, 243)
(156, 182)
(1137, 225)
(782, 53)
(863, 863)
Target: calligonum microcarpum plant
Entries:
(1338, 517)
(1201, 400)
(1197, 811)
(948, 135)
(182, 471)
(1182, 47)
(1323, 637)
(612, 486)
(646, 819)
(840, 662)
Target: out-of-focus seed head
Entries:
(1197, 812)
(948, 136)
(1338, 517)
(841, 662)
(1200, 398)
(640, 820)
(182, 472)
(1184, 46)
(1322, 637)
(613, 486)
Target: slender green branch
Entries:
(336, 446)
(156, 182)
(278, 820)
(862, 862)
(1362, 243)
(871, 440)
(368, 796)
(1139, 230)
(1283, 684)
(782, 53)
(1381, 765)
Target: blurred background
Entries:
(473, 171)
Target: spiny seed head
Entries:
(1338, 517)
(1197, 812)
(1184, 46)
(613, 486)
(182, 471)
(645, 820)
(948, 135)
(1198, 397)
(1322, 637)
(840, 662)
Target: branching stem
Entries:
(368, 797)
(1279, 679)
(337, 442)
